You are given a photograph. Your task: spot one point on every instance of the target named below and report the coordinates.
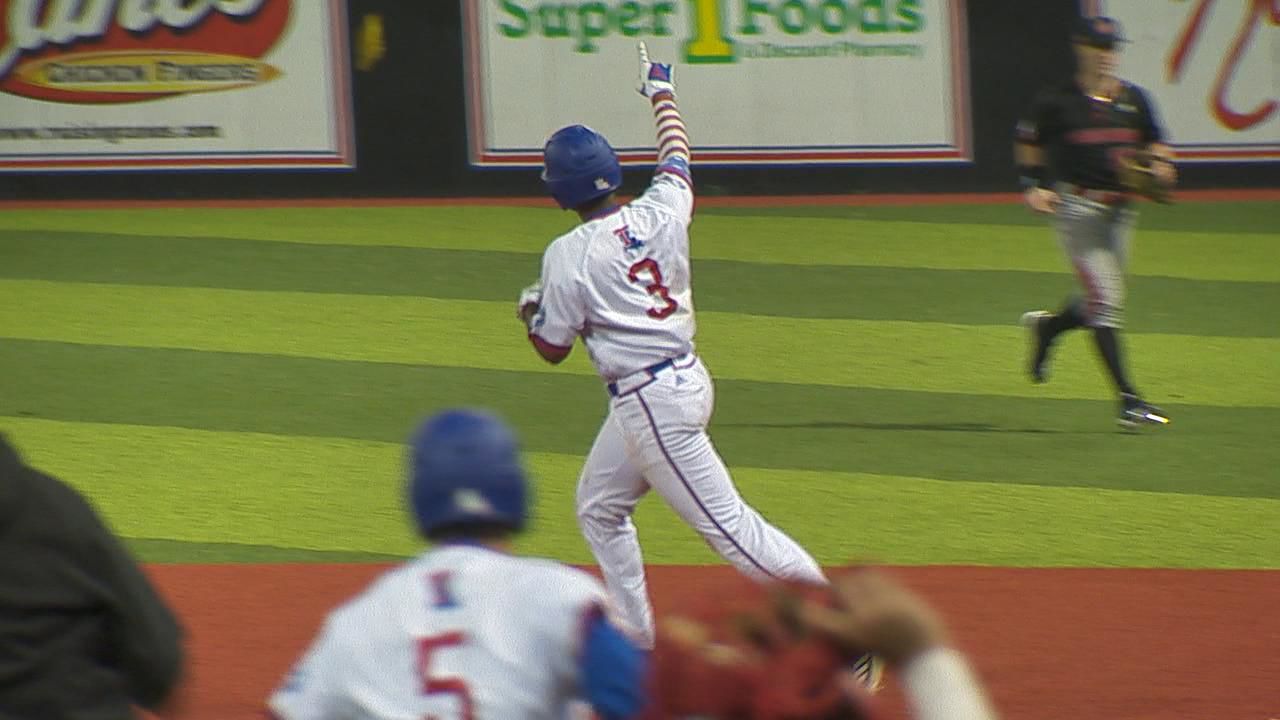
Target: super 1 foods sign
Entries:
(711, 37)
(162, 84)
(760, 81)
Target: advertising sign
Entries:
(759, 81)
(174, 84)
(1213, 67)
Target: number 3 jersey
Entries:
(621, 280)
(461, 632)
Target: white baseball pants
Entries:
(656, 437)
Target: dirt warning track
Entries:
(1053, 644)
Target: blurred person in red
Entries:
(783, 652)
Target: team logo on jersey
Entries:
(442, 590)
(629, 241)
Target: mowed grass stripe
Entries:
(1205, 254)
(977, 297)
(346, 496)
(984, 360)
(1212, 451)
(159, 550)
(1255, 217)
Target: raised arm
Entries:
(657, 84)
(672, 186)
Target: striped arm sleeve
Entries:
(673, 139)
(672, 185)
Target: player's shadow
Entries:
(968, 427)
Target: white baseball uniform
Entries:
(460, 632)
(621, 281)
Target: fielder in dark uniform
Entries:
(1073, 149)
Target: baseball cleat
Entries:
(1135, 411)
(1034, 322)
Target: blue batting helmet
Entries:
(465, 469)
(579, 166)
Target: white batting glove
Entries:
(654, 77)
(530, 299)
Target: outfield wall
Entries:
(428, 123)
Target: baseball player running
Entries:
(621, 282)
(1091, 128)
(467, 630)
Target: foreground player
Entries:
(877, 614)
(466, 630)
(1088, 129)
(621, 282)
(777, 651)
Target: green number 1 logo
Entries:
(709, 43)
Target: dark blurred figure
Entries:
(83, 634)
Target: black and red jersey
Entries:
(1085, 138)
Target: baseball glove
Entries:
(1137, 175)
(748, 656)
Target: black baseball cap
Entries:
(1103, 32)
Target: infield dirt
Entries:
(1061, 644)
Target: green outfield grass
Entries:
(235, 385)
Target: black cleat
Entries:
(1034, 322)
(1135, 411)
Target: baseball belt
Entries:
(628, 384)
